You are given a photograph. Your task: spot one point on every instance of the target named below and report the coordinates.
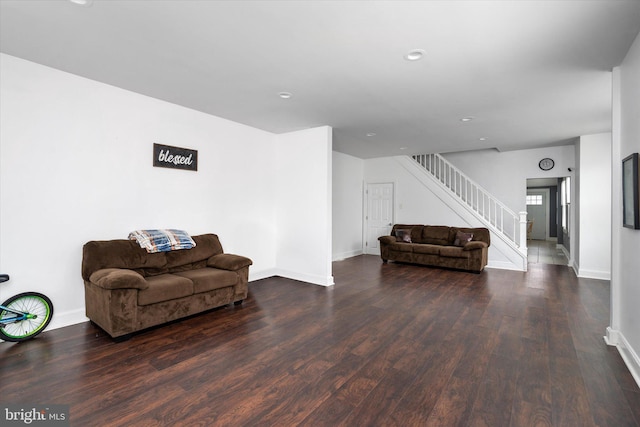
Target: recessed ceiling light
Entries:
(285, 95)
(467, 119)
(403, 148)
(82, 2)
(484, 138)
(415, 55)
(370, 134)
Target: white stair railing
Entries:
(488, 208)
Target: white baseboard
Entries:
(303, 277)
(594, 274)
(503, 265)
(262, 274)
(629, 356)
(294, 275)
(563, 249)
(345, 255)
(68, 318)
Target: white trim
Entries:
(574, 266)
(501, 265)
(303, 277)
(348, 254)
(67, 318)
(564, 250)
(594, 274)
(629, 356)
(294, 275)
(262, 274)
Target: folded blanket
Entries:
(162, 240)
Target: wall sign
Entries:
(166, 156)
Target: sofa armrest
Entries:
(387, 239)
(469, 246)
(229, 262)
(118, 278)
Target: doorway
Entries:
(545, 238)
(379, 215)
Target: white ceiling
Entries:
(531, 73)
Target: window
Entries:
(565, 201)
(534, 199)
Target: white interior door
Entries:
(538, 212)
(379, 215)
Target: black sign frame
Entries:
(167, 156)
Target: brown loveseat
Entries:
(128, 289)
(438, 246)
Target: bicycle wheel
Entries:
(39, 309)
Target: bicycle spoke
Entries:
(39, 311)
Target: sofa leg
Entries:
(384, 261)
(238, 302)
(122, 338)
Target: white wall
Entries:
(304, 205)
(624, 330)
(593, 186)
(76, 165)
(416, 203)
(413, 204)
(505, 174)
(348, 172)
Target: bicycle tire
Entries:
(29, 302)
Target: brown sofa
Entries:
(438, 246)
(128, 289)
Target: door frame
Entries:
(365, 211)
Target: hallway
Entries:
(545, 252)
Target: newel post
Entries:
(523, 231)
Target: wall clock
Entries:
(546, 164)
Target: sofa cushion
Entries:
(229, 262)
(403, 235)
(387, 240)
(120, 253)
(480, 234)
(416, 231)
(474, 245)
(436, 235)
(207, 245)
(118, 278)
(462, 238)
(453, 252)
(402, 247)
(208, 279)
(165, 287)
(426, 248)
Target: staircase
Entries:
(507, 226)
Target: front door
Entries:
(537, 211)
(379, 215)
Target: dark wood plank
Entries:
(390, 344)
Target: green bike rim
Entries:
(33, 305)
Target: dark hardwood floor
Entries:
(388, 345)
